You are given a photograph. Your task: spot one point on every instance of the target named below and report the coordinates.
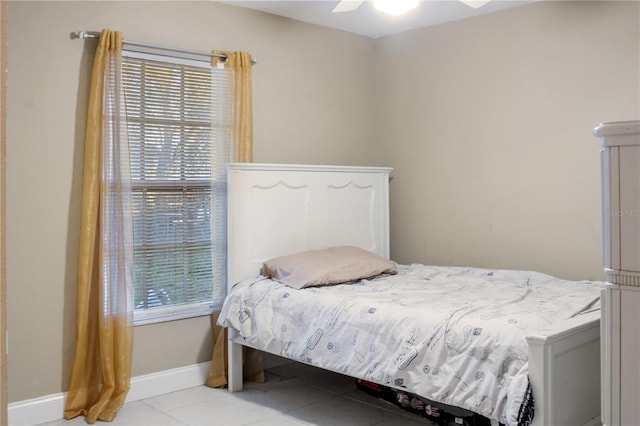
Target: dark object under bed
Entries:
(440, 414)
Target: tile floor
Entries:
(293, 394)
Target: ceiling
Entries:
(368, 21)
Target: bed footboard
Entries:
(564, 371)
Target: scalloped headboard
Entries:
(279, 209)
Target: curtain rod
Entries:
(94, 34)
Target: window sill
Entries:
(172, 313)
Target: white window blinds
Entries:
(176, 115)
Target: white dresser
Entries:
(620, 325)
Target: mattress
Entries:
(450, 334)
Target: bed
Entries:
(552, 360)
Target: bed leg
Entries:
(235, 365)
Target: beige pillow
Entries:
(332, 265)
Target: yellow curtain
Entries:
(239, 63)
(101, 372)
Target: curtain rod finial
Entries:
(83, 35)
(78, 34)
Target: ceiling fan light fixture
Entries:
(395, 7)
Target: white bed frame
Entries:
(275, 210)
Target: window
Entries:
(176, 115)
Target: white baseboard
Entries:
(51, 407)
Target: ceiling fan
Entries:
(394, 7)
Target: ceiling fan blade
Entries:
(475, 3)
(347, 6)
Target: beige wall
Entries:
(499, 169)
(311, 99)
(3, 251)
(487, 122)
